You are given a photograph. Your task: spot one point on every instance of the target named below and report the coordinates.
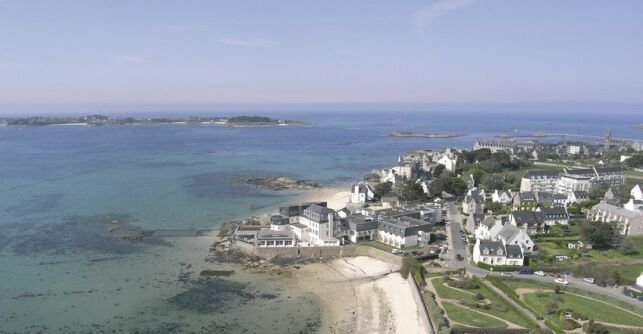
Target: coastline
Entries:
(360, 295)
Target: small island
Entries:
(278, 183)
(409, 134)
(102, 120)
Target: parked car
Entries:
(552, 274)
(539, 273)
(589, 280)
(526, 271)
(506, 275)
(459, 257)
(396, 251)
(561, 281)
(567, 273)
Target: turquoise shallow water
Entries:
(59, 185)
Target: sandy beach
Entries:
(361, 295)
(337, 197)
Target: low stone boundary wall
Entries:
(331, 251)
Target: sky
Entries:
(145, 54)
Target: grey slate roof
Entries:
(275, 235)
(542, 174)
(495, 248)
(508, 231)
(531, 219)
(514, 252)
(555, 212)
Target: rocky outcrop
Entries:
(277, 183)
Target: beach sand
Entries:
(337, 197)
(361, 295)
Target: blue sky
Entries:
(136, 54)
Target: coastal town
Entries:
(508, 236)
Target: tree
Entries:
(437, 171)
(635, 161)
(557, 289)
(600, 235)
(410, 190)
(628, 247)
(384, 188)
(598, 192)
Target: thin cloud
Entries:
(249, 43)
(427, 14)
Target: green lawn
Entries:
(448, 293)
(466, 317)
(500, 308)
(590, 308)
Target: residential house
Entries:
(577, 197)
(631, 222)
(511, 235)
(482, 231)
(495, 253)
(637, 192)
(468, 180)
(449, 162)
(635, 205)
(546, 199)
(500, 196)
(524, 200)
(532, 222)
(612, 196)
(362, 193)
(473, 202)
(556, 215)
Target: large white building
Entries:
(537, 180)
(631, 222)
(321, 224)
(404, 231)
(569, 180)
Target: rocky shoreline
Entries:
(278, 183)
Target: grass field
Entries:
(448, 293)
(499, 307)
(465, 317)
(594, 310)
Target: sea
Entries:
(62, 187)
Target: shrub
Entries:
(570, 325)
(465, 283)
(479, 296)
(592, 327)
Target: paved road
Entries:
(456, 245)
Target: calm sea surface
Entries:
(60, 186)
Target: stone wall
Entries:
(340, 251)
(423, 313)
